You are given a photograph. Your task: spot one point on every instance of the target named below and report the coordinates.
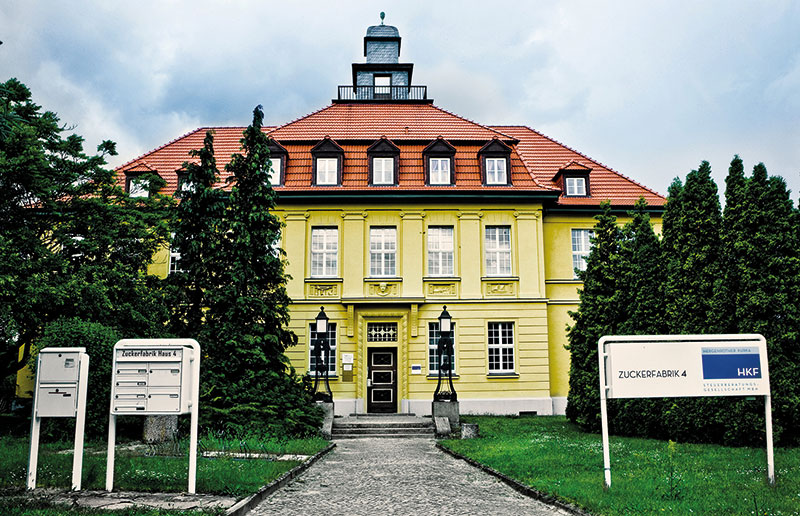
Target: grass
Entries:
(17, 506)
(648, 476)
(158, 469)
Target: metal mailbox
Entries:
(151, 378)
(155, 377)
(60, 391)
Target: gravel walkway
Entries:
(380, 476)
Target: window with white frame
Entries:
(383, 86)
(275, 172)
(581, 247)
(383, 171)
(184, 186)
(440, 251)
(327, 171)
(331, 358)
(137, 187)
(433, 348)
(324, 252)
(501, 347)
(174, 261)
(439, 170)
(576, 186)
(498, 250)
(383, 251)
(496, 171)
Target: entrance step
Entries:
(383, 425)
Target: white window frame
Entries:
(493, 171)
(137, 187)
(327, 171)
(275, 171)
(332, 337)
(576, 186)
(497, 250)
(441, 255)
(439, 171)
(324, 252)
(382, 252)
(581, 247)
(433, 347)
(382, 85)
(174, 259)
(500, 340)
(382, 171)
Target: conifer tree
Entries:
(691, 247)
(597, 315)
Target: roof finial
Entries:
(383, 15)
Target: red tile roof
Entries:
(535, 158)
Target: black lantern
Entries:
(321, 353)
(445, 351)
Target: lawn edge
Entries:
(244, 505)
(516, 485)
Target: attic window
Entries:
(184, 186)
(438, 158)
(327, 163)
(495, 160)
(275, 171)
(138, 186)
(384, 158)
(279, 158)
(576, 185)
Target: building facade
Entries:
(394, 208)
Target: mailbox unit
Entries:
(155, 377)
(61, 383)
(151, 380)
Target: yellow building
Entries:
(393, 208)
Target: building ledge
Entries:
(502, 376)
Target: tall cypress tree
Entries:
(597, 315)
(691, 247)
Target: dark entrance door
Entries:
(382, 380)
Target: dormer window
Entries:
(138, 187)
(496, 171)
(384, 157)
(438, 158)
(327, 163)
(278, 156)
(327, 171)
(439, 171)
(576, 186)
(495, 160)
(184, 186)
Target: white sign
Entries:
(666, 369)
(155, 377)
(61, 384)
(347, 358)
(669, 366)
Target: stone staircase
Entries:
(358, 426)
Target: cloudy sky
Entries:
(648, 88)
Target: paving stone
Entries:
(397, 476)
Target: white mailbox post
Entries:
(61, 381)
(155, 377)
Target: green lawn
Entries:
(24, 507)
(648, 476)
(155, 470)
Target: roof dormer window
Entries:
(278, 157)
(384, 157)
(327, 163)
(495, 158)
(575, 186)
(138, 186)
(438, 158)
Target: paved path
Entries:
(380, 476)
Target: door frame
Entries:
(395, 315)
(395, 373)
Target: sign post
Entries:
(155, 377)
(62, 376)
(671, 366)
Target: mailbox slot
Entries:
(129, 406)
(163, 399)
(165, 374)
(130, 393)
(57, 400)
(132, 383)
(59, 367)
(126, 369)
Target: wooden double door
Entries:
(381, 380)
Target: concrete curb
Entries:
(245, 505)
(518, 486)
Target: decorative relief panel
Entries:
(441, 289)
(383, 289)
(323, 290)
(500, 289)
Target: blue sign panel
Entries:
(731, 366)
